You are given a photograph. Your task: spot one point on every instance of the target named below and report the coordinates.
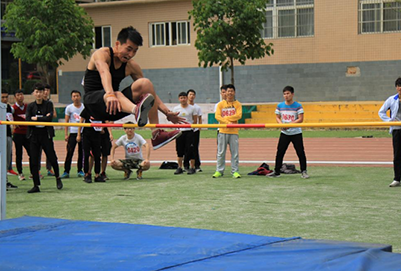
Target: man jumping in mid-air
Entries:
(107, 67)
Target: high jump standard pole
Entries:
(3, 162)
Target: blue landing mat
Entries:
(34, 243)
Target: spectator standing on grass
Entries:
(290, 111)
(196, 136)
(19, 135)
(91, 141)
(184, 144)
(9, 117)
(73, 115)
(41, 137)
(134, 159)
(223, 93)
(393, 104)
(46, 97)
(228, 111)
(105, 143)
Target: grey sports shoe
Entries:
(394, 184)
(304, 175)
(273, 175)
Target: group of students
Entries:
(104, 101)
(33, 138)
(229, 111)
(37, 137)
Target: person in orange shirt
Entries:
(228, 111)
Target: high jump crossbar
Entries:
(244, 126)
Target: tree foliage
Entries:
(51, 31)
(229, 30)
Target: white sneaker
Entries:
(21, 177)
(304, 175)
(395, 184)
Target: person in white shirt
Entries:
(392, 104)
(198, 110)
(184, 144)
(134, 159)
(72, 115)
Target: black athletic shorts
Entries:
(94, 103)
(184, 144)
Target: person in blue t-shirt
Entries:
(290, 111)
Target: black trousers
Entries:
(71, 144)
(196, 138)
(283, 143)
(20, 141)
(397, 154)
(91, 143)
(38, 142)
(184, 145)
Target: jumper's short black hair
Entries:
(130, 33)
(3, 91)
(398, 82)
(75, 91)
(223, 87)
(38, 86)
(191, 91)
(230, 86)
(47, 86)
(183, 94)
(288, 88)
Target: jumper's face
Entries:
(126, 51)
(230, 95)
(4, 98)
(288, 96)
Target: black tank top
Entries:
(93, 82)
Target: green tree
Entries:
(51, 31)
(229, 30)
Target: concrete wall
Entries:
(371, 81)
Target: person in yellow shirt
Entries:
(228, 111)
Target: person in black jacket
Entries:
(41, 137)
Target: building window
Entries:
(169, 33)
(102, 36)
(378, 16)
(289, 18)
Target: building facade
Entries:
(344, 50)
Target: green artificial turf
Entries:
(336, 203)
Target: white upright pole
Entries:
(3, 162)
